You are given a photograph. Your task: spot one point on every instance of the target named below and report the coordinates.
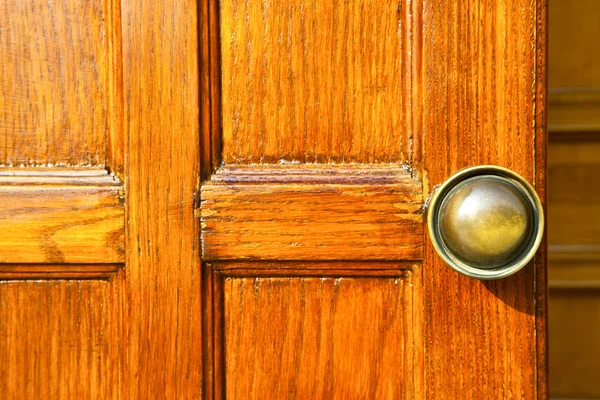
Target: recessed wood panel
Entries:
(574, 198)
(60, 340)
(315, 82)
(314, 213)
(573, 59)
(53, 77)
(574, 331)
(319, 337)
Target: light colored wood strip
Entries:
(57, 177)
(318, 221)
(61, 224)
(161, 98)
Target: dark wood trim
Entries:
(210, 88)
(541, 185)
(574, 136)
(58, 271)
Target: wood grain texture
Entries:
(162, 288)
(574, 67)
(312, 331)
(116, 141)
(572, 59)
(60, 340)
(314, 82)
(484, 93)
(574, 331)
(351, 213)
(57, 271)
(573, 201)
(49, 218)
(53, 76)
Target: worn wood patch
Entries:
(312, 214)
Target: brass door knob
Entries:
(486, 222)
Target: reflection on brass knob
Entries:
(486, 222)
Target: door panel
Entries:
(60, 339)
(54, 71)
(313, 83)
(62, 215)
(314, 331)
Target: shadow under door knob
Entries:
(486, 222)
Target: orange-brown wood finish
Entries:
(312, 213)
(48, 218)
(309, 327)
(269, 164)
(62, 231)
(161, 292)
(484, 96)
(289, 94)
(60, 340)
(314, 83)
(53, 72)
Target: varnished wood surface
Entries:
(574, 66)
(57, 271)
(572, 59)
(60, 340)
(574, 266)
(312, 214)
(484, 94)
(161, 123)
(574, 199)
(316, 82)
(53, 74)
(48, 218)
(312, 329)
(574, 347)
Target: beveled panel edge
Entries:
(58, 177)
(21, 272)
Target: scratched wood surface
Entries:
(60, 340)
(315, 82)
(78, 217)
(312, 214)
(484, 66)
(53, 76)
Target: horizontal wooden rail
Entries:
(61, 216)
(304, 213)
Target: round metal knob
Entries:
(486, 222)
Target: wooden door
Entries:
(226, 199)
